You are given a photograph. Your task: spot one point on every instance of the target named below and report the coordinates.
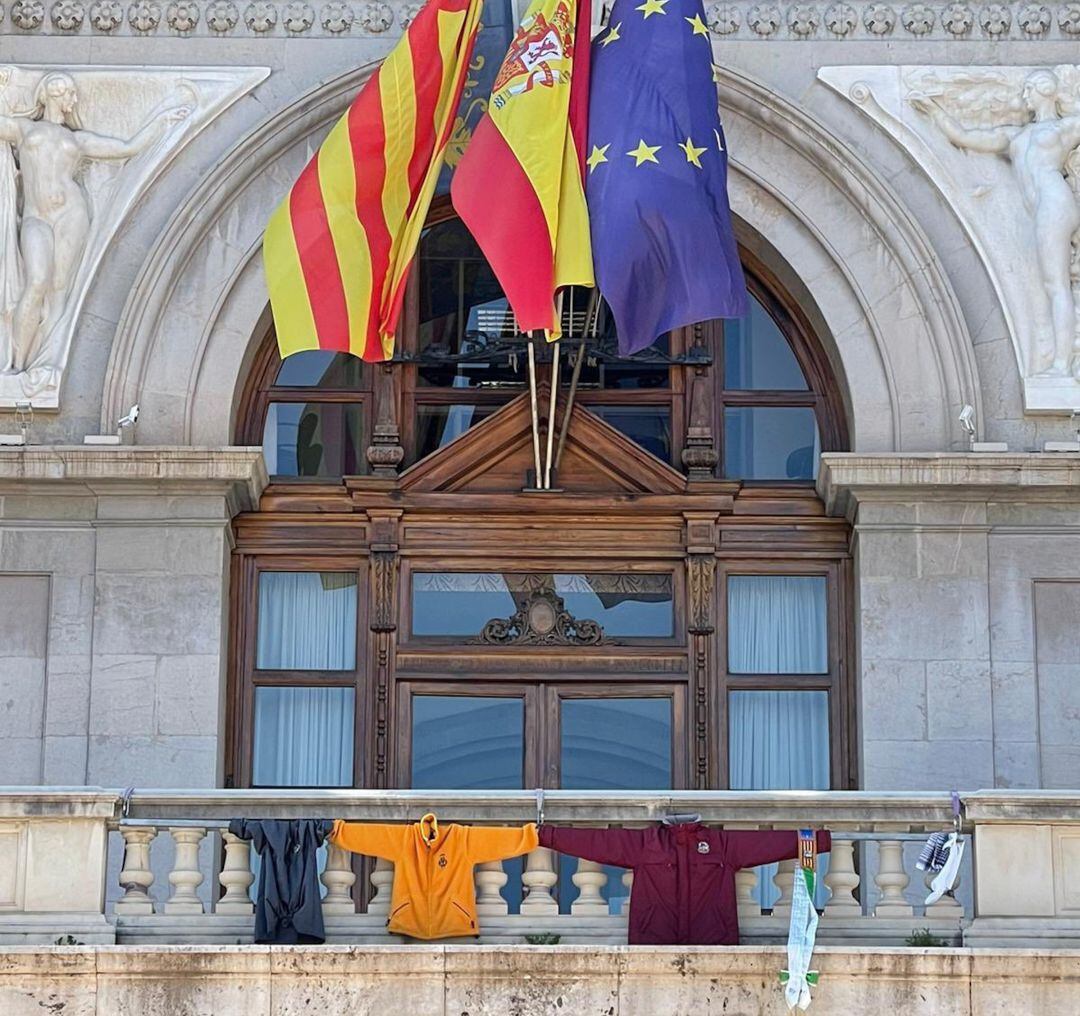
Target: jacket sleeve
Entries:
(748, 848)
(247, 829)
(620, 847)
(486, 844)
(385, 841)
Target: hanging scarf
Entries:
(802, 930)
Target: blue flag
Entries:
(663, 245)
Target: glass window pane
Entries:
(303, 737)
(770, 443)
(612, 744)
(461, 742)
(616, 744)
(779, 740)
(461, 603)
(648, 426)
(439, 425)
(313, 439)
(756, 354)
(462, 311)
(776, 624)
(320, 368)
(624, 605)
(307, 621)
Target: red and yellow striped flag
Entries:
(337, 250)
(519, 187)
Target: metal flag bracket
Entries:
(539, 806)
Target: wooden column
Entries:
(700, 609)
(383, 624)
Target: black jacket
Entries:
(288, 906)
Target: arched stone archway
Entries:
(807, 203)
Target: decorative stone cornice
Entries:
(237, 473)
(847, 478)
(742, 19)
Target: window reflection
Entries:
(461, 603)
(649, 426)
(319, 368)
(757, 356)
(465, 742)
(771, 443)
(312, 439)
(439, 425)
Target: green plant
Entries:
(546, 938)
(923, 937)
(67, 940)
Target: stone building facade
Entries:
(904, 254)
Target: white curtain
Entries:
(303, 737)
(307, 621)
(779, 740)
(776, 624)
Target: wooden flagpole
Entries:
(538, 479)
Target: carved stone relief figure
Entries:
(46, 147)
(78, 147)
(1002, 145)
(1040, 153)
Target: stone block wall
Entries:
(113, 623)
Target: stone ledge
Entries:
(847, 478)
(434, 980)
(235, 472)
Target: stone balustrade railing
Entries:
(160, 866)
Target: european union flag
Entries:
(663, 245)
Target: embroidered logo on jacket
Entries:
(702, 847)
(442, 860)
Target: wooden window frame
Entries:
(249, 677)
(832, 681)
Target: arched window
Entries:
(332, 688)
(461, 359)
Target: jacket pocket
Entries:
(398, 911)
(464, 914)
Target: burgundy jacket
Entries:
(684, 875)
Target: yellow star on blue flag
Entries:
(663, 245)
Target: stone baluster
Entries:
(891, 880)
(784, 880)
(538, 879)
(590, 880)
(186, 876)
(135, 875)
(382, 878)
(628, 881)
(746, 880)
(842, 880)
(339, 878)
(490, 878)
(236, 877)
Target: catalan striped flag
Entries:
(337, 250)
(519, 187)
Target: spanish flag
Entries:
(519, 185)
(337, 250)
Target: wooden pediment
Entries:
(494, 456)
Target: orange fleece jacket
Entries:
(434, 894)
